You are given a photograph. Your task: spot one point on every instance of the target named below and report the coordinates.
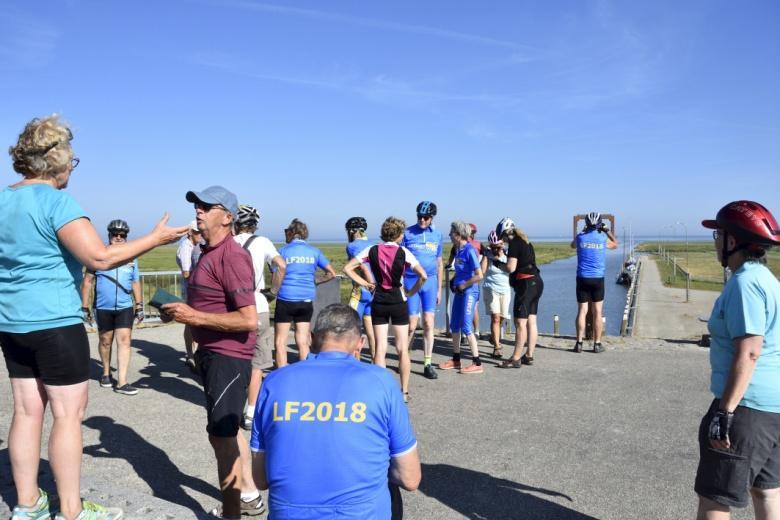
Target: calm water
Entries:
(559, 297)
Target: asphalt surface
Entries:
(575, 436)
(662, 312)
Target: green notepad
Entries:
(161, 297)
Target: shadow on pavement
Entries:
(149, 462)
(8, 490)
(166, 373)
(478, 495)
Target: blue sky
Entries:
(659, 112)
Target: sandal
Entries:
(497, 353)
(527, 360)
(510, 363)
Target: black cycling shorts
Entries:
(590, 290)
(752, 461)
(289, 312)
(225, 383)
(528, 291)
(109, 319)
(384, 313)
(58, 356)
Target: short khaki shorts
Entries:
(264, 344)
(497, 303)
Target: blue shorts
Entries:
(360, 301)
(425, 297)
(463, 308)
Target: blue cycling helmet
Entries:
(426, 209)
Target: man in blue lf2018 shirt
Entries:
(337, 417)
(591, 245)
(425, 243)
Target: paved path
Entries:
(663, 312)
(575, 436)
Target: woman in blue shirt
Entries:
(739, 437)
(294, 303)
(45, 238)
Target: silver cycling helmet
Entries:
(247, 215)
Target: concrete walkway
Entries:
(662, 311)
(575, 436)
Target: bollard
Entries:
(556, 325)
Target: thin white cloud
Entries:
(374, 23)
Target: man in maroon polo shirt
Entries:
(221, 311)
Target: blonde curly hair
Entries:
(392, 228)
(43, 149)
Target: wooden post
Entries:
(624, 324)
(674, 269)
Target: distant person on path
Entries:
(496, 289)
(360, 299)
(466, 290)
(388, 262)
(425, 243)
(526, 280)
(739, 436)
(329, 434)
(115, 292)
(221, 310)
(263, 253)
(295, 301)
(45, 238)
(187, 256)
(591, 245)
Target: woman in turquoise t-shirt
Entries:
(45, 239)
(739, 437)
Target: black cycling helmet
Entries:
(356, 223)
(247, 215)
(118, 226)
(426, 209)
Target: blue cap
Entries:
(215, 195)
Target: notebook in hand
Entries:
(161, 297)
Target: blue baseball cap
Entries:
(215, 195)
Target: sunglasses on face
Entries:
(119, 235)
(424, 217)
(207, 207)
(716, 234)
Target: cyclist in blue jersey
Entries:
(425, 243)
(115, 291)
(591, 245)
(330, 434)
(294, 303)
(360, 299)
(465, 287)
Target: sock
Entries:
(476, 360)
(250, 411)
(456, 357)
(427, 361)
(248, 497)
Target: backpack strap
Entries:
(246, 246)
(111, 278)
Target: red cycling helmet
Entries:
(750, 223)
(473, 229)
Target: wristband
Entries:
(85, 309)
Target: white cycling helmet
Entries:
(593, 219)
(504, 225)
(247, 215)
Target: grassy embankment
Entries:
(706, 271)
(164, 259)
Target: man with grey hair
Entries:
(187, 255)
(221, 310)
(333, 395)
